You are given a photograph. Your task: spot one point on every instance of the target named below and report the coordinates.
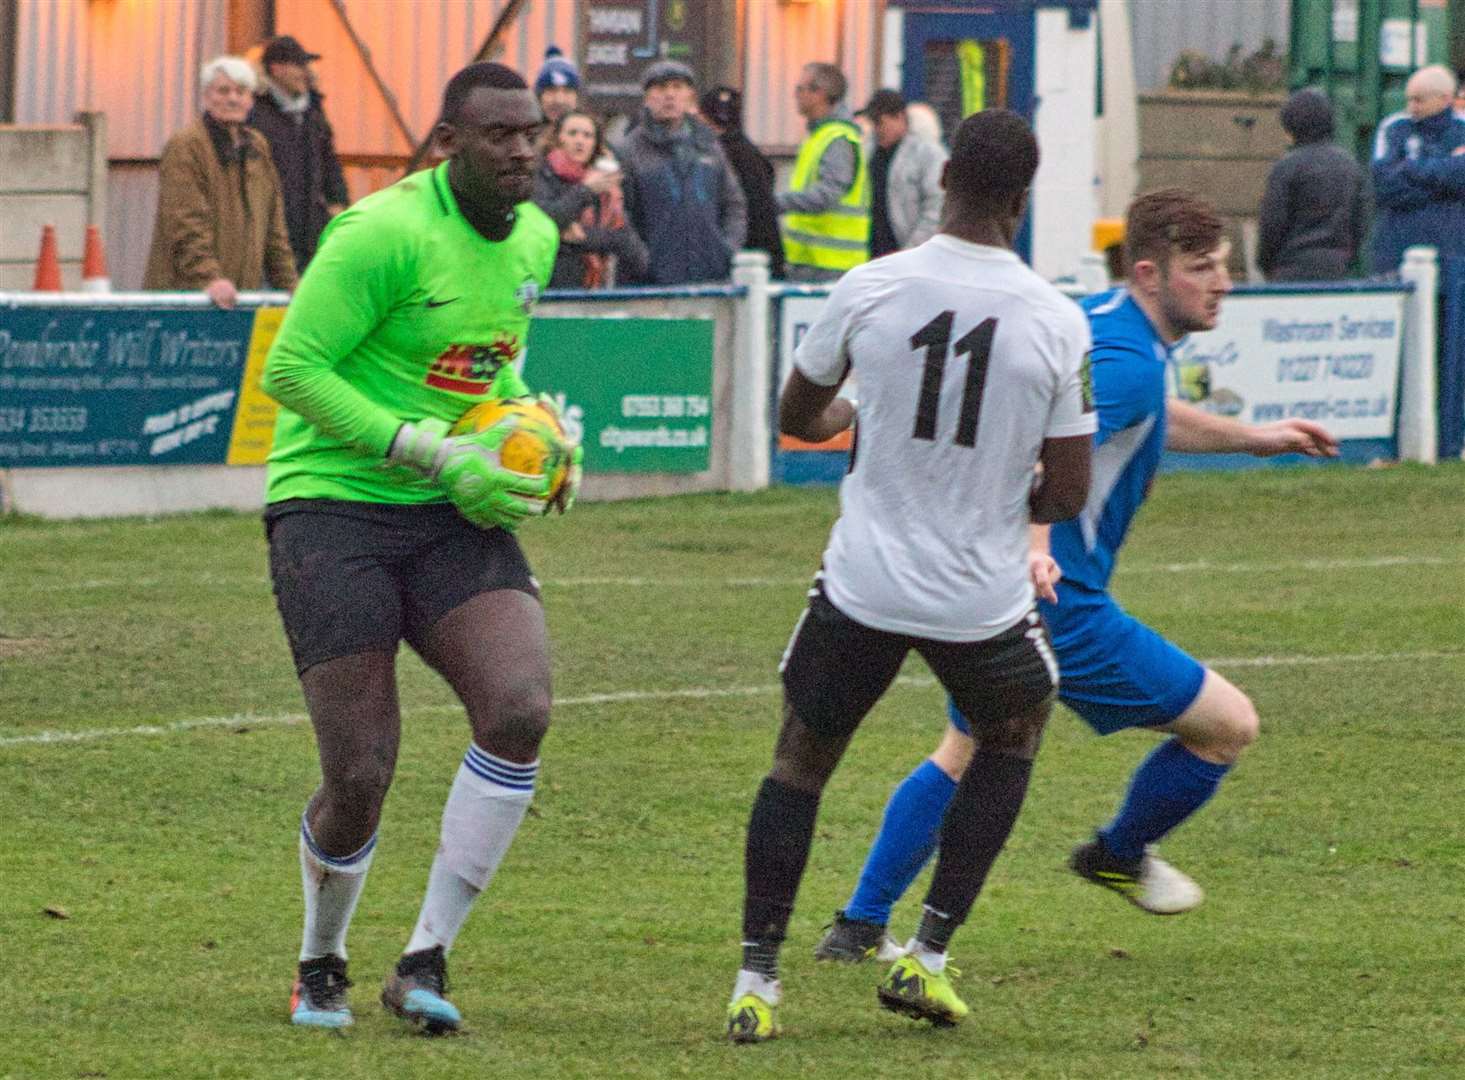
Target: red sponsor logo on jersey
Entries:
(470, 369)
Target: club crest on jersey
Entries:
(470, 369)
(527, 294)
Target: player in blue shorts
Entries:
(1115, 672)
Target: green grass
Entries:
(1329, 945)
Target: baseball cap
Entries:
(286, 50)
(884, 103)
(723, 106)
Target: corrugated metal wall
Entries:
(779, 39)
(137, 62)
(1163, 28)
(414, 48)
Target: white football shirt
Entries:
(966, 361)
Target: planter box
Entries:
(1218, 143)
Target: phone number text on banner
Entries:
(182, 387)
(128, 387)
(1328, 357)
(636, 392)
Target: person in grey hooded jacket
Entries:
(682, 197)
(1314, 212)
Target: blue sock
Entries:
(1169, 786)
(908, 835)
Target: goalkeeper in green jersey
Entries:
(383, 527)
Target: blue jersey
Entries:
(1129, 365)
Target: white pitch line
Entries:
(1341, 658)
(1379, 562)
(693, 693)
(47, 738)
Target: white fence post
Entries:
(1418, 434)
(748, 454)
(1093, 272)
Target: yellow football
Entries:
(526, 450)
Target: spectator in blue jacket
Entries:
(682, 197)
(1419, 172)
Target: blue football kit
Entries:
(1114, 671)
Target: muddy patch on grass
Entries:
(20, 646)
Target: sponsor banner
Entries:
(636, 392)
(129, 387)
(796, 315)
(1328, 357)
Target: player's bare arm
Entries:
(1062, 485)
(812, 412)
(1194, 431)
(1043, 569)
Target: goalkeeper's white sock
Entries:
(484, 809)
(332, 886)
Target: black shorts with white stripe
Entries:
(836, 669)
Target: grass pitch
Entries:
(154, 763)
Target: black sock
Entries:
(977, 824)
(762, 957)
(936, 929)
(780, 830)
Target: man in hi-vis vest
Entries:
(826, 210)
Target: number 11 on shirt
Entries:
(935, 336)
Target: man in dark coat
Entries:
(682, 197)
(1314, 212)
(722, 109)
(287, 111)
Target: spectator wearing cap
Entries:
(221, 218)
(1419, 173)
(682, 196)
(826, 224)
(906, 195)
(722, 111)
(557, 86)
(288, 113)
(1313, 213)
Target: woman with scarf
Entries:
(581, 192)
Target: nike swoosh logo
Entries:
(441, 303)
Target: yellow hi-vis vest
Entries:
(837, 238)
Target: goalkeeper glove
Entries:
(564, 498)
(467, 467)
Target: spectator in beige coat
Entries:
(221, 218)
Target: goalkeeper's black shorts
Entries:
(363, 577)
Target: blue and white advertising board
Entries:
(1332, 358)
(1329, 356)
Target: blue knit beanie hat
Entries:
(557, 71)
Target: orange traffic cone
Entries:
(94, 264)
(48, 266)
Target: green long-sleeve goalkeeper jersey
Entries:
(405, 312)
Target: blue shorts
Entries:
(1113, 670)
